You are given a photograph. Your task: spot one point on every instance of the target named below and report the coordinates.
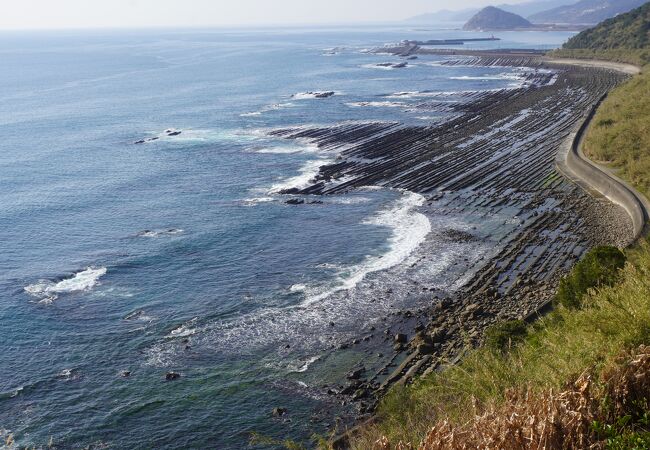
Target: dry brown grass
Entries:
(550, 419)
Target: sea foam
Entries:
(81, 281)
(306, 174)
(320, 304)
(409, 229)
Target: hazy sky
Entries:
(19, 14)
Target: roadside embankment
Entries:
(629, 69)
(573, 164)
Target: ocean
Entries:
(129, 250)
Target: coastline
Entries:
(451, 323)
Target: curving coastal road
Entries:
(595, 178)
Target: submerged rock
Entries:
(356, 374)
(359, 394)
(290, 191)
(172, 376)
(134, 315)
(400, 65)
(279, 412)
(323, 94)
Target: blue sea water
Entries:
(178, 254)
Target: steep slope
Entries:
(623, 38)
(527, 9)
(492, 18)
(630, 30)
(586, 11)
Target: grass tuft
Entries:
(599, 267)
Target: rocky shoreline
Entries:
(492, 158)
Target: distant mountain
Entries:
(626, 31)
(492, 18)
(533, 7)
(586, 11)
(463, 15)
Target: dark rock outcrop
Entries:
(172, 376)
(279, 412)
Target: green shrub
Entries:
(625, 433)
(598, 268)
(503, 336)
(630, 441)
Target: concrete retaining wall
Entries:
(575, 166)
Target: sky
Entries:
(56, 14)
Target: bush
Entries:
(503, 336)
(598, 268)
(624, 433)
(630, 441)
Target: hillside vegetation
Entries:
(620, 133)
(585, 11)
(625, 38)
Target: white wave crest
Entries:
(313, 94)
(182, 331)
(257, 200)
(81, 281)
(302, 366)
(387, 66)
(297, 288)
(377, 104)
(288, 149)
(274, 107)
(501, 76)
(350, 200)
(159, 233)
(304, 179)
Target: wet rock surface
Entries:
(493, 158)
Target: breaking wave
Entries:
(81, 281)
(304, 179)
(321, 305)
